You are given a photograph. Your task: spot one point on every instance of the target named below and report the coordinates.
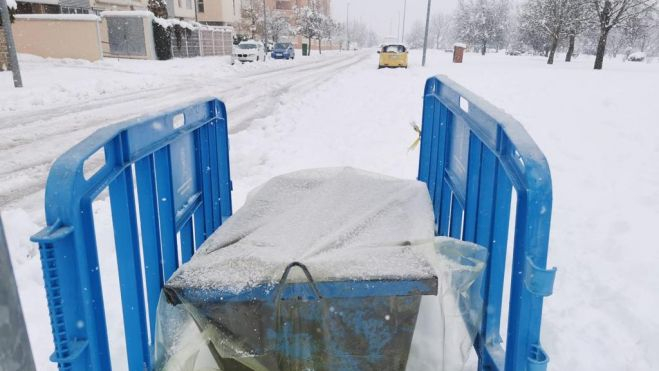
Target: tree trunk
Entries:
(309, 49)
(484, 48)
(601, 49)
(320, 51)
(570, 48)
(552, 50)
(437, 41)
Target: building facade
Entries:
(218, 12)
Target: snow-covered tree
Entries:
(440, 28)
(279, 26)
(552, 19)
(414, 37)
(251, 22)
(329, 29)
(609, 14)
(482, 22)
(158, 8)
(309, 22)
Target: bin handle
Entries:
(284, 278)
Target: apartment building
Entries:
(218, 12)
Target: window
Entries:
(200, 6)
(284, 5)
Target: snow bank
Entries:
(637, 57)
(60, 17)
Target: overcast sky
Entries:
(383, 15)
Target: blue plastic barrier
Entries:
(167, 175)
(169, 189)
(472, 155)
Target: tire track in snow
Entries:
(22, 179)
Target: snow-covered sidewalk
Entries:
(597, 128)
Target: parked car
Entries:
(283, 51)
(514, 52)
(248, 51)
(393, 55)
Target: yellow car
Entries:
(393, 55)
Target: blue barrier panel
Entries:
(179, 163)
(472, 155)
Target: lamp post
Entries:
(425, 37)
(402, 34)
(265, 30)
(11, 46)
(347, 26)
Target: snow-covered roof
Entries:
(60, 17)
(191, 25)
(49, 2)
(127, 13)
(460, 45)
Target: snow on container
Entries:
(321, 269)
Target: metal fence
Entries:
(472, 156)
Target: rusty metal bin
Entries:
(458, 52)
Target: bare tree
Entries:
(440, 25)
(609, 14)
(279, 26)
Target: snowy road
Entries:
(598, 130)
(30, 141)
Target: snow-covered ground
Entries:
(598, 130)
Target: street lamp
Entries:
(265, 30)
(425, 37)
(402, 34)
(11, 47)
(347, 25)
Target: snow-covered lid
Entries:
(59, 17)
(460, 45)
(342, 223)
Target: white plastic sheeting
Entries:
(343, 224)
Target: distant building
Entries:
(218, 12)
(38, 7)
(102, 5)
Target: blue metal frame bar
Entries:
(179, 163)
(472, 155)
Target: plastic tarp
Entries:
(356, 236)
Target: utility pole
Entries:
(265, 30)
(11, 46)
(398, 26)
(15, 351)
(402, 35)
(347, 26)
(425, 37)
